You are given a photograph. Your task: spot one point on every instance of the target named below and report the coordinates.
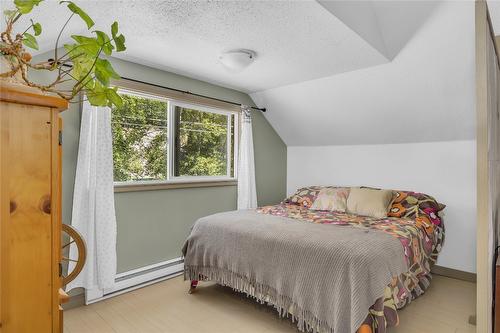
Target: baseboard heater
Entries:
(138, 278)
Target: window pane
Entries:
(140, 139)
(200, 143)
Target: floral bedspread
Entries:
(421, 239)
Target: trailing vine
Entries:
(82, 65)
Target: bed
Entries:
(328, 271)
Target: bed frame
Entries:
(193, 285)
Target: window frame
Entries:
(171, 144)
(173, 181)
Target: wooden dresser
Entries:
(30, 199)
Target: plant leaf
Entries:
(88, 45)
(26, 6)
(97, 95)
(101, 36)
(101, 76)
(30, 41)
(97, 98)
(119, 39)
(108, 49)
(113, 97)
(90, 84)
(37, 28)
(80, 12)
(82, 63)
(71, 49)
(104, 71)
(120, 43)
(114, 29)
(104, 42)
(81, 67)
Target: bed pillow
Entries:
(369, 202)
(331, 199)
(416, 205)
(304, 196)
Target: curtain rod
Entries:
(191, 93)
(181, 91)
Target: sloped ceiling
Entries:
(385, 25)
(426, 93)
(494, 9)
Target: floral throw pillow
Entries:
(418, 206)
(304, 196)
(331, 199)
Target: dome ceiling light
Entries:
(237, 60)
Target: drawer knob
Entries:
(45, 204)
(13, 207)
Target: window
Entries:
(160, 140)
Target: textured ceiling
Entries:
(294, 40)
(343, 72)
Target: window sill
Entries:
(153, 186)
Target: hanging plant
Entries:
(82, 62)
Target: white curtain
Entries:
(247, 194)
(93, 200)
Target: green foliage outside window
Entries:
(140, 139)
(140, 136)
(201, 145)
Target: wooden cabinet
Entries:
(30, 199)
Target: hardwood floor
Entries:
(166, 307)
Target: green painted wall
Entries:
(152, 225)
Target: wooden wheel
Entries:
(72, 236)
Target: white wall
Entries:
(445, 170)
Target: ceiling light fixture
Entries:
(237, 60)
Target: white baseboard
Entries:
(138, 278)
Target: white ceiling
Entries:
(425, 94)
(494, 9)
(294, 40)
(386, 25)
(343, 72)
